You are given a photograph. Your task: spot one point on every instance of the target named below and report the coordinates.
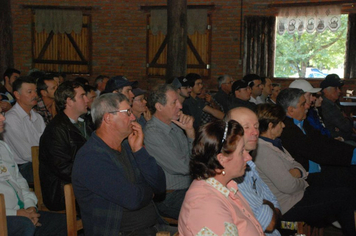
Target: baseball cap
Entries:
(181, 81)
(117, 82)
(332, 80)
(138, 92)
(239, 84)
(304, 85)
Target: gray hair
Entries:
(105, 103)
(158, 94)
(222, 79)
(289, 97)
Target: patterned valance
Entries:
(308, 19)
(59, 21)
(196, 18)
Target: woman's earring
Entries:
(223, 172)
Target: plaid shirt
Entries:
(43, 111)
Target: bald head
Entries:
(249, 121)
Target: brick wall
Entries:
(119, 35)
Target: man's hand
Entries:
(136, 137)
(30, 213)
(186, 123)
(275, 218)
(147, 115)
(5, 106)
(295, 173)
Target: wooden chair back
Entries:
(35, 151)
(3, 221)
(73, 225)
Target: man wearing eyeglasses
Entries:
(114, 177)
(61, 140)
(223, 96)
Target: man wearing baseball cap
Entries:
(335, 120)
(242, 94)
(120, 84)
(307, 88)
(139, 108)
(183, 88)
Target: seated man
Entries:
(223, 96)
(328, 161)
(260, 198)
(168, 138)
(120, 84)
(335, 120)
(195, 106)
(255, 83)
(114, 178)
(21, 214)
(266, 91)
(241, 95)
(91, 95)
(6, 91)
(139, 107)
(100, 83)
(46, 107)
(183, 88)
(24, 126)
(61, 140)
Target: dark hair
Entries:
(269, 113)
(192, 77)
(100, 78)
(289, 97)
(41, 85)
(9, 71)
(158, 94)
(209, 143)
(88, 88)
(264, 79)
(82, 80)
(65, 90)
(17, 84)
(37, 74)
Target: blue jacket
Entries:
(102, 189)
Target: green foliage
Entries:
(319, 50)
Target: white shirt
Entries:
(22, 132)
(12, 184)
(257, 100)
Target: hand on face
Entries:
(186, 123)
(136, 137)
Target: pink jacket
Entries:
(210, 207)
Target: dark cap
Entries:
(138, 92)
(332, 80)
(239, 84)
(179, 82)
(118, 82)
(251, 77)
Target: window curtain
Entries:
(59, 21)
(259, 45)
(350, 62)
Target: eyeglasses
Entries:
(2, 113)
(128, 111)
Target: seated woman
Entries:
(287, 179)
(213, 205)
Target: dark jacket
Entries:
(223, 99)
(59, 144)
(236, 102)
(314, 146)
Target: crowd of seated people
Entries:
(136, 157)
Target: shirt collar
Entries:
(163, 126)
(23, 114)
(221, 188)
(277, 142)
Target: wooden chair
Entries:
(36, 178)
(73, 225)
(3, 221)
(171, 221)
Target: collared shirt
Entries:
(43, 111)
(172, 150)
(204, 199)
(255, 190)
(22, 132)
(194, 107)
(257, 100)
(14, 186)
(277, 142)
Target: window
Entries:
(62, 52)
(311, 55)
